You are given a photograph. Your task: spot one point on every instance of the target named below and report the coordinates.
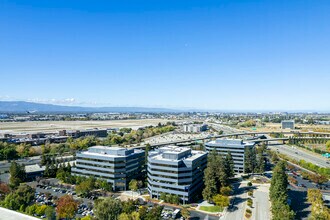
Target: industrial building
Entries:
(235, 146)
(288, 124)
(115, 164)
(194, 128)
(177, 171)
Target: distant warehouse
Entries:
(194, 128)
(288, 124)
(177, 171)
(89, 132)
(235, 146)
(116, 165)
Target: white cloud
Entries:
(66, 101)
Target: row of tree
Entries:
(115, 209)
(10, 151)
(254, 161)
(319, 211)
(169, 198)
(278, 194)
(217, 173)
(323, 171)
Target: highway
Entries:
(299, 154)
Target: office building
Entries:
(288, 124)
(114, 164)
(194, 128)
(235, 146)
(177, 171)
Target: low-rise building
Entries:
(235, 146)
(89, 132)
(116, 165)
(194, 128)
(288, 124)
(177, 171)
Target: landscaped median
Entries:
(211, 208)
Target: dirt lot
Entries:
(52, 126)
(302, 127)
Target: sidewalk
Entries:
(7, 214)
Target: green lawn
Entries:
(211, 208)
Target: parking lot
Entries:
(46, 194)
(298, 193)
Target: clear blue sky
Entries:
(224, 54)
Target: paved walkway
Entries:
(7, 214)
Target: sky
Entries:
(224, 54)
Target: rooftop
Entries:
(175, 153)
(110, 151)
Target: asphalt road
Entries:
(299, 154)
(236, 212)
(261, 203)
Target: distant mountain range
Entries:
(31, 107)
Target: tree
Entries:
(162, 196)
(220, 200)
(229, 164)
(31, 210)
(123, 216)
(328, 146)
(41, 210)
(225, 191)
(143, 210)
(135, 216)
(50, 213)
(21, 197)
(210, 183)
(282, 211)
(4, 189)
(249, 160)
(185, 213)
(129, 206)
(133, 185)
(175, 199)
(222, 167)
(66, 207)
(107, 209)
(104, 184)
(154, 213)
(319, 211)
(278, 193)
(17, 174)
(86, 186)
(260, 162)
(279, 182)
